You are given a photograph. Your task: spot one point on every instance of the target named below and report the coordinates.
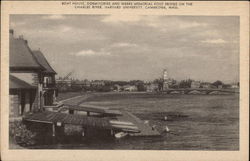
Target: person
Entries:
(166, 129)
(165, 118)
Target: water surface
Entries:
(196, 122)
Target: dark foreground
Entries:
(196, 122)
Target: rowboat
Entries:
(120, 135)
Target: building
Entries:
(63, 84)
(48, 79)
(235, 85)
(152, 87)
(31, 79)
(97, 83)
(205, 85)
(220, 86)
(86, 83)
(130, 88)
(195, 84)
(165, 80)
(117, 87)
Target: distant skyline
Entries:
(122, 47)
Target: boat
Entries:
(115, 122)
(120, 135)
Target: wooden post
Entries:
(88, 113)
(53, 130)
(54, 96)
(112, 132)
(71, 111)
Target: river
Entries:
(196, 122)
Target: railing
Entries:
(49, 85)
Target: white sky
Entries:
(117, 47)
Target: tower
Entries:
(165, 79)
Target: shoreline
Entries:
(71, 95)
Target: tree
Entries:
(217, 83)
(159, 82)
(185, 83)
(21, 135)
(140, 86)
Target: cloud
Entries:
(90, 52)
(193, 24)
(54, 17)
(123, 44)
(209, 33)
(60, 31)
(65, 28)
(116, 44)
(16, 24)
(214, 41)
(116, 19)
(63, 33)
(172, 23)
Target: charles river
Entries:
(196, 122)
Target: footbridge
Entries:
(200, 91)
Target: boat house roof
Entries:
(21, 56)
(95, 109)
(16, 83)
(43, 62)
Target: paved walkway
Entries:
(75, 100)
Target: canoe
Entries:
(120, 135)
(115, 122)
(125, 127)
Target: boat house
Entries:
(31, 79)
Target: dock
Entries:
(58, 119)
(145, 129)
(142, 129)
(120, 120)
(62, 118)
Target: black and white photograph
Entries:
(108, 82)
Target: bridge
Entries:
(201, 91)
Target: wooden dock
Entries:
(62, 118)
(145, 129)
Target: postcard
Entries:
(125, 80)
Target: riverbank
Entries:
(67, 95)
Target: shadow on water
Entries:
(98, 143)
(163, 116)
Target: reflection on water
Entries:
(196, 122)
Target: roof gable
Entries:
(43, 62)
(21, 55)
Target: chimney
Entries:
(11, 31)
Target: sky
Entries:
(138, 47)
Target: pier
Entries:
(124, 121)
